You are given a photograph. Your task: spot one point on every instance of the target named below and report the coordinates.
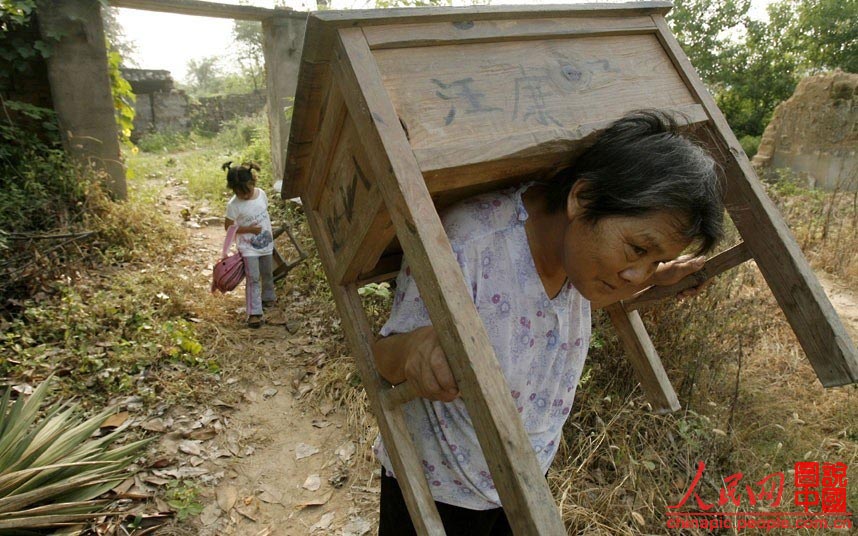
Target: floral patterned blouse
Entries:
(540, 343)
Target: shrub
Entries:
(39, 189)
(750, 144)
(50, 471)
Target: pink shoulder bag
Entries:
(229, 271)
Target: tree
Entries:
(760, 72)
(705, 30)
(751, 66)
(204, 76)
(827, 32)
(248, 39)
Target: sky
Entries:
(167, 41)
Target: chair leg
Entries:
(644, 359)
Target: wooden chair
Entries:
(401, 112)
(282, 267)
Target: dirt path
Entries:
(264, 459)
(845, 302)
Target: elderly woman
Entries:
(538, 259)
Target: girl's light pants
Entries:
(259, 283)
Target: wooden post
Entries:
(645, 361)
(391, 420)
(80, 86)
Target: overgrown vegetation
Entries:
(123, 97)
(240, 140)
(85, 297)
(825, 224)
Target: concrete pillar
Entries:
(283, 39)
(80, 85)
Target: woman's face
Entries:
(611, 259)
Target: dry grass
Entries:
(825, 224)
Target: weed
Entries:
(165, 142)
(183, 497)
(198, 167)
(377, 299)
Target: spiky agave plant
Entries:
(51, 471)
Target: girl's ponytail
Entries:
(251, 165)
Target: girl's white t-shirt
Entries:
(247, 213)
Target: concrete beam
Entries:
(283, 39)
(208, 9)
(80, 86)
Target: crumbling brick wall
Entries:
(815, 132)
(211, 112)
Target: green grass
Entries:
(195, 160)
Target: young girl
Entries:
(248, 209)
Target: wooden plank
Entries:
(348, 202)
(644, 359)
(391, 420)
(397, 395)
(794, 285)
(536, 149)
(311, 93)
(466, 32)
(281, 47)
(209, 9)
(349, 195)
(713, 267)
(365, 17)
(370, 232)
(321, 38)
(516, 473)
(465, 104)
(333, 119)
(366, 248)
(323, 25)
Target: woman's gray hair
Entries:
(642, 164)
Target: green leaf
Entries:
(50, 468)
(45, 49)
